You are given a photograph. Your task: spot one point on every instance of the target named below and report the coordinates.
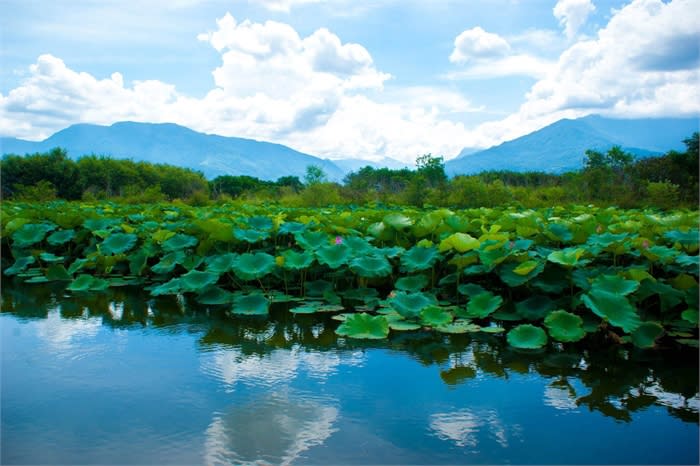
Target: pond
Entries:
(121, 377)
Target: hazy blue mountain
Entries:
(561, 146)
(177, 145)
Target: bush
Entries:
(41, 191)
(663, 194)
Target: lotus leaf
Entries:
(37, 279)
(493, 329)
(411, 283)
(250, 304)
(461, 242)
(221, 263)
(462, 261)
(615, 284)
(471, 289)
(684, 282)
(564, 326)
(646, 334)
(361, 294)
(311, 240)
(458, 327)
(418, 258)
(410, 305)
(668, 295)
(60, 237)
(434, 316)
(20, 265)
(57, 272)
(490, 258)
(97, 224)
(291, 228)
(168, 262)
(118, 243)
(86, 282)
(179, 241)
(614, 308)
(569, 257)
(313, 307)
(512, 273)
(333, 255)
(192, 261)
(253, 266)
(364, 326)
(688, 238)
(260, 223)
(358, 246)
(403, 326)
(527, 336)
(195, 280)
(318, 288)
(397, 221)
(49, 257)
(380, 231)
(482, 305)
(560, 232)
(31, 233)
(294, 260)
(371, 266)
(457, 375)
(213, 295)
(691, 315)
(535, 307)
(690, 262)
(173, 286)
(660, 254)
(162, 235)
(250, 236)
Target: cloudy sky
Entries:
(346, 78)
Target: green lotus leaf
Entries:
(411, 283)
(493, 329)
(660, 254)
(461, 242)
(49, 257)
(20, 265)
(685, 238)
(195, 280)
(333, 255)
(173, 286)
(535, 307)
(294, 260)
(403, 326)
(490, 258)
(77, 265)
(214, 295)
(434, 316)
(615, 284)
(318, 288)
(291, 228)
(470, 289)
(60, 237)
(606, 240)
(462, 261)
(419, 258)
(669, 297)
(221, 263)
(57, 272)
(97, 224)
(527, 336)
(410, 305)
(118, 243)
(192, 261)
(397, 221)
(380, 231)
(690, 315)
(250, 236)
(361, 294)
(260, 222)
(179, 241)
(614, 308)
(559, 232)
(508, 274)
(359, 246)
(313, 307)
(692, 342)
(311, 240)
(364, 326)
(83, 282)
(457, 375)
(646, 334)
(427, 224)
(482, 305)
(253, 266)
(37, 279)
(168, 262)
(14, 225)
(691, 263)
(250, 304)
(371, 266)
(162, 235)
(569, 257)
(564, 326)
(457, 223)
(138, 261)
(458, 327)
(31, 233)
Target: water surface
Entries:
(124, 378)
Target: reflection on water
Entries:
(170, 377)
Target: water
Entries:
(124, 378)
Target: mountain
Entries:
(561, 146)
(176, 145)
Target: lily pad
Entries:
(458, 327)
(646, 334)
(118, 243)
(364, 326)
(483, 304)
(403, 326)
(419, 258)
(410, 305)
(250, 304)
(253, 266)
(527, 336)
(564, 326)
(434, 316)
(614, 308)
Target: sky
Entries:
(346, 78)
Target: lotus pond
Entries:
(124, 377)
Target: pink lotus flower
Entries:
(599, 228)
(645, 244)
(338, 240)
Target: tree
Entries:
(314, 175)
(432, 169)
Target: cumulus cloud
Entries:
(572, 15)
(476, 43)
(284, 6)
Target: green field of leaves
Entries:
(559, 275)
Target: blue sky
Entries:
(344, 78)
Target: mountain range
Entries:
(555, 148)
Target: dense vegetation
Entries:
(568, 275)
(610, 178)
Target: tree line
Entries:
(612, 177)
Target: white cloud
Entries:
(476, 43)
(284, 6)
(572, 14)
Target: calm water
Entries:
(124, 378)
